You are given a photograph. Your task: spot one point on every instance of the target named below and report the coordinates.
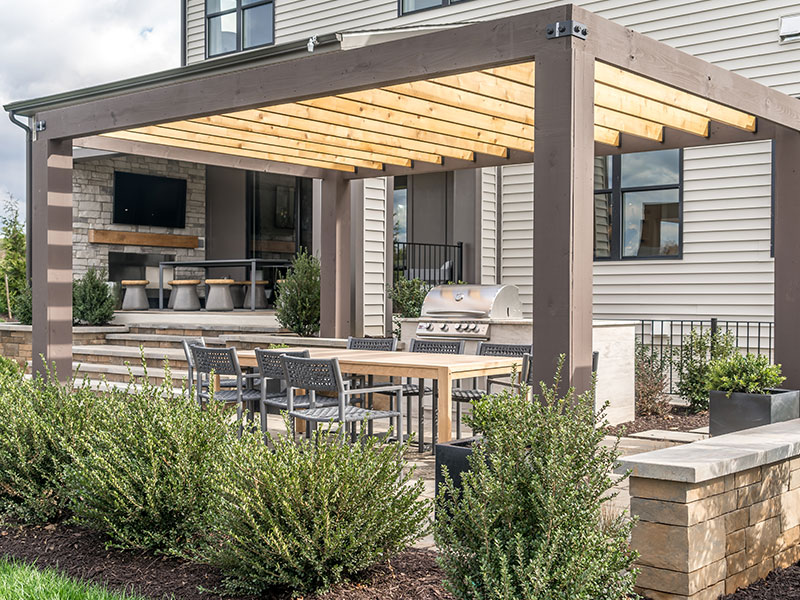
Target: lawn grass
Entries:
(22, 582)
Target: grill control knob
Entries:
(444, 326)
(459, 327)
(429, 326)
(473, 327)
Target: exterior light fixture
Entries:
(312, 43)
(789, 29)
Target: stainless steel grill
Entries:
(467, 311)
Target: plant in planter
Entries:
(743, 393)
(298, 304)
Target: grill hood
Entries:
(472, 302)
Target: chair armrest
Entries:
(375, 390)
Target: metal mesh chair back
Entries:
(320, 375)
(270, 364)
(187, 350)
(437, 346)
(376, 344)
(223, 361)
(509, 350)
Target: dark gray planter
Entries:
(454, 455)
(740, 410)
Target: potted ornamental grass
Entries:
(744, 393)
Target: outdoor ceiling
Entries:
(488, 112)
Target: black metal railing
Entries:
(665, 338)
(435, 264)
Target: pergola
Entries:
(562, 81)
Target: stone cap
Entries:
(717, 456)
(219, 281)
(184, 282)
(248, 282)
(127, 282)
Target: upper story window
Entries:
(410, 6)
(638, 205)
(233, 25)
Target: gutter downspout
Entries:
(28, 189)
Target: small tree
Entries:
(92, 302)
(694, 357)
(12, 263)
(650, 372)
(297, 304)
(407, 296)
(22, 306)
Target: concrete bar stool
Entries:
(261, 296)
(185, 292)
(237, 293)
(135, 295)
(219, 295)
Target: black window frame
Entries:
(616, 191)
(401, 12)
(239, 10)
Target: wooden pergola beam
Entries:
(524, 73)
(490, 86)
(181, 143)
(331, 149)
(311, 132)
(624, 123)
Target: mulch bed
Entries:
(82, 554)
(778, 585)
(678, 419)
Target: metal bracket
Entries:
(565, 28)
(41, 125)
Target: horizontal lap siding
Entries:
(375, 255)
(488, 227)
(516, 255)
(195, 31)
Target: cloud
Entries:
(75, 44)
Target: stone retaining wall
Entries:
(15, 339)
(701, 536)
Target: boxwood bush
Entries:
(144, 474)
(528, 521)
(749, 373)
(307, 515)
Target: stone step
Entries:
(122, 373)
(667, 435)
(156, 340)
(120, 355)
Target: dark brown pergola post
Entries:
(52, 256)
(562, 212)
(336, 297)
(787, 254)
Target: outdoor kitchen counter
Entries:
(441, 368)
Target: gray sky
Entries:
(52, 46)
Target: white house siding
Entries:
(516, 241)
(488, 226)
(375, 256)
(195, 31)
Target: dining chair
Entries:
(270, 367)
(199, 341)
(468, 395)
(222, 361)
(376, 344)
(316, 376)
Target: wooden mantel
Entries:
(133, 238)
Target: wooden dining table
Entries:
(442, 369)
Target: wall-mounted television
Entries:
(149, 200)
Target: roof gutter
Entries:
(28, 188)
(205, 68)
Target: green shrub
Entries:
(39, 419)
(749, 373)
(12, 261)
(529, 520)
(694, 357)
(92, 301)
(307, 515)
(650, 381)
(407, 296)
(22, 306)
(144, 475)
(297, 306)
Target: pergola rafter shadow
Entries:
(483, 94)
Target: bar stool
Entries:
(219, 295)
(185, 292)
(135, 295)
(237, 293)
(261, 297)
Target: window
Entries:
(637, 205)
(410, 6)
(233, 25)
(400, 212)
